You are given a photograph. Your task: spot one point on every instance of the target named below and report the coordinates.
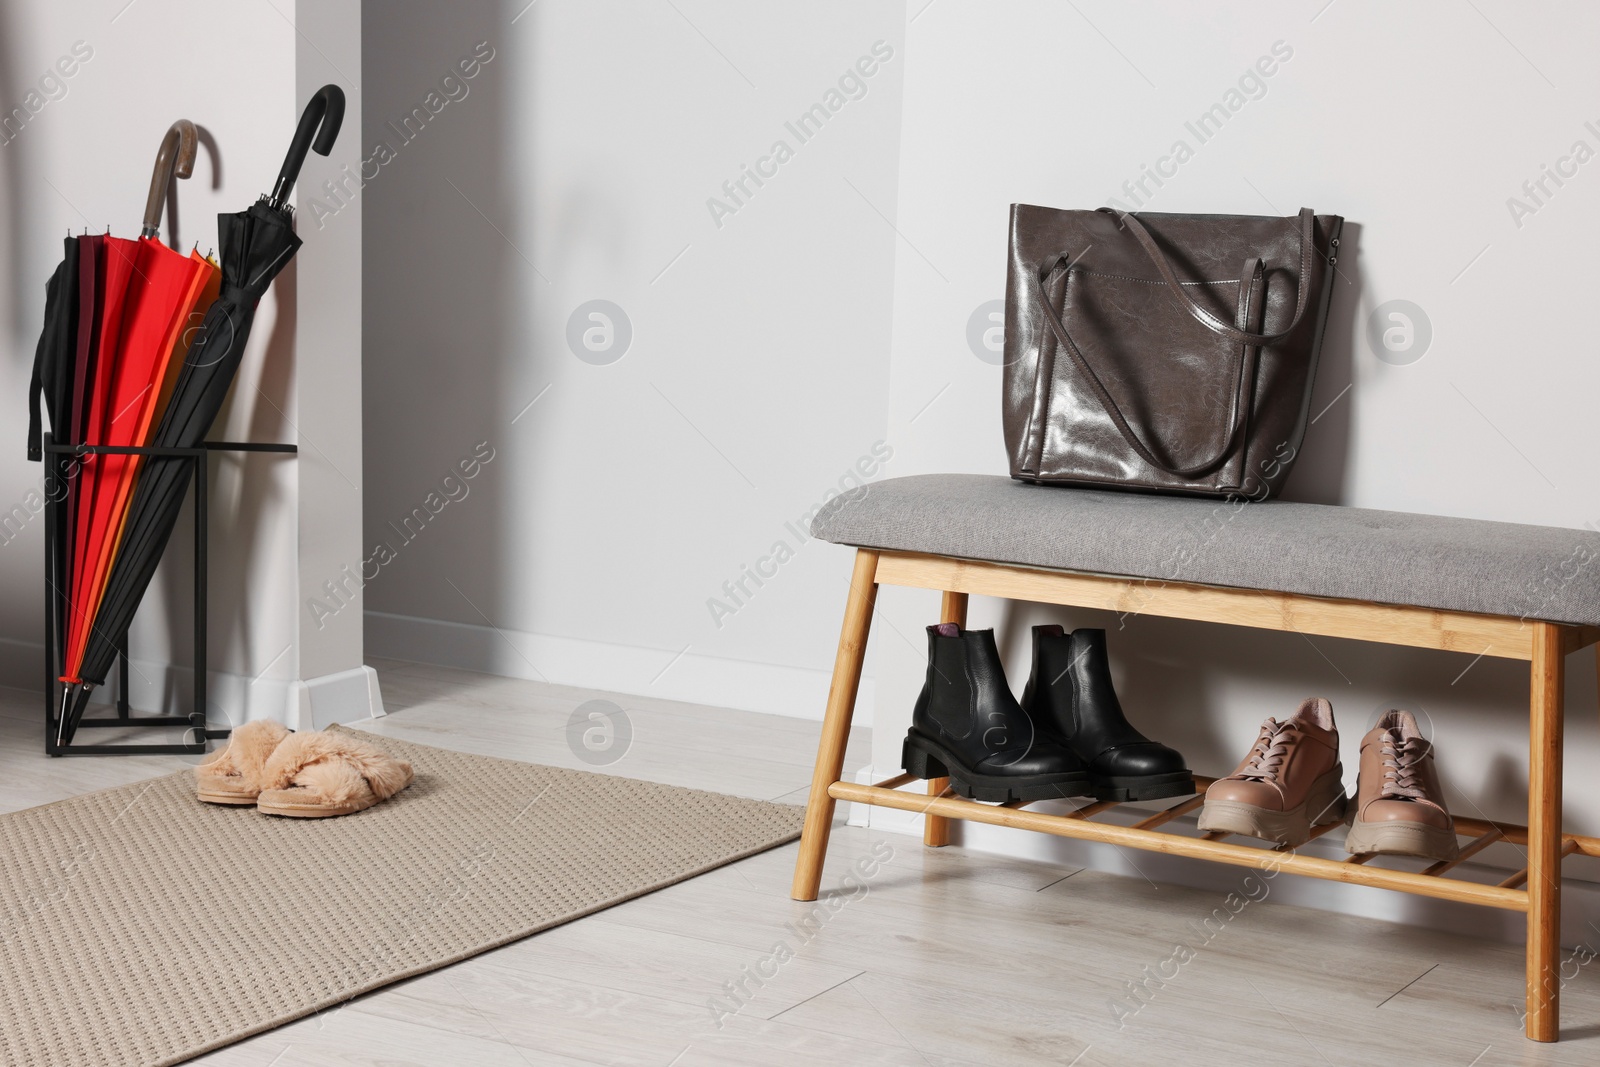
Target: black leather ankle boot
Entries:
(1069, 694)
(969, 727)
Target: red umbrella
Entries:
(115, 270)
(147, 294)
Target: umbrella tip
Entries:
(61, 721)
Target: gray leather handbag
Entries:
(1165, 352)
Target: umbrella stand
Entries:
(62, 699)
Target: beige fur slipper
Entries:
(232, 775)
(315, 774)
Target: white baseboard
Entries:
(1580, 912)
(231, 699)
(166, 688)
(688, 676)
(346, 696)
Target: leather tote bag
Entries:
(1163, 352)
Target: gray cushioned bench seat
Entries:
(1493, 568)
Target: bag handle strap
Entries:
(1201, 315)
(1251, 279)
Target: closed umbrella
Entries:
(113, 275)
(147, 293)
(254, 245)
(162, 293)
(53, 364)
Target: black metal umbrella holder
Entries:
(196, 733)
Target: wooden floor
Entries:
(938, 957)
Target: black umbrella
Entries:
(255, 245)
(53, 364)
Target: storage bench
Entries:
(1498, 589)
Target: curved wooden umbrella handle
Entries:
(176, 157)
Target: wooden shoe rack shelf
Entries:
(1534, 890)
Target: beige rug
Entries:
(139, 926)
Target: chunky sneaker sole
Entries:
(1325, 803)
(927, 759)
(1143, 787)
(1401, 839)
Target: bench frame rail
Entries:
(1535, 890)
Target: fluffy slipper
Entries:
(232, 775)
(316, 774)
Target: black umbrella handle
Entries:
(322, 117)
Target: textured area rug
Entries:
(139, 926)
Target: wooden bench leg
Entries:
(836, 724)
(1546, 678)
(936, 828)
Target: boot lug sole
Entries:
(1132, 788)
(925, 759)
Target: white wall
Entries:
(1416, 122)
(84, 160)
(332, 682)
(765, 359)
(577, 166)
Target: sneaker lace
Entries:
(1402, 758)
(1267, 755)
